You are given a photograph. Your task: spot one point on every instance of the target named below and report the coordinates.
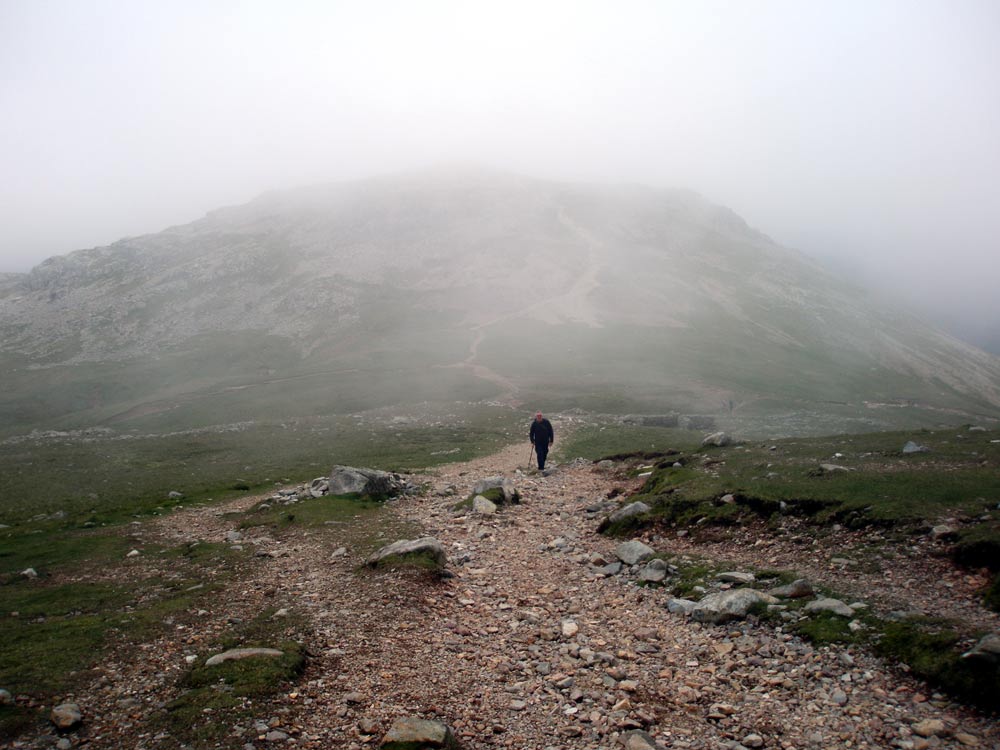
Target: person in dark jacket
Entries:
(542, 436)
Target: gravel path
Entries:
(525, 647)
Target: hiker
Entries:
(542, 436)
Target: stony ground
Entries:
(527, 647)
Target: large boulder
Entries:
(372, 483)
(717, 439)
(508, 493)
(634, 552)
(425, 551)
(729, 605)
(483, 506)
(238, 654)
(629, 511)
(987, 650)
(418, 734)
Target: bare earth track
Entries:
(525, 647)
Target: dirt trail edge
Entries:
(524, 647)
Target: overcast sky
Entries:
(865, 131)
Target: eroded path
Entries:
(525, 647)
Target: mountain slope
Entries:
(462, 285)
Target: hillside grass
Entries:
(957, 481)
(97, 480)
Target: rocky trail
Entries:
(532, 642)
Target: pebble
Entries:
(929, 728)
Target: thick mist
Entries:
(861, 134)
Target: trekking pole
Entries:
(531, 449)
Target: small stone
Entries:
(929, 728)
(943, 532)
(654, 572)
(681, 606)
(611, 569)
(518, 705)
(638, 740)
(29, 573)
(569, 628)
(64, 744)
(969, 740)
(734, 576)
(275, 736)
(66, 716)
(797, 589)
(354, 697)
(6, 699)
(133, 553)
(752, 740)
(839, 697)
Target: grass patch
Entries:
(825, 627)
(237, 688)
(421, 561)
(60, 631)
(621, 442)
(311, 512)
(932, 654)
(106, 479)
(50, 549)
(959, 477)
(979, 546)
(991, 599)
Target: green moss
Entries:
(932, 654)
(494, 494)
(49, 549)
(421, 561)
(59, 631)
(991, 598)
(311, 512)
(235, 687)
(15, 720)
(824, 627)
(45, 655)
(979, 546)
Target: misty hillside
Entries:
(465, 285)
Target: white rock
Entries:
(236, 654)
(835, 606)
